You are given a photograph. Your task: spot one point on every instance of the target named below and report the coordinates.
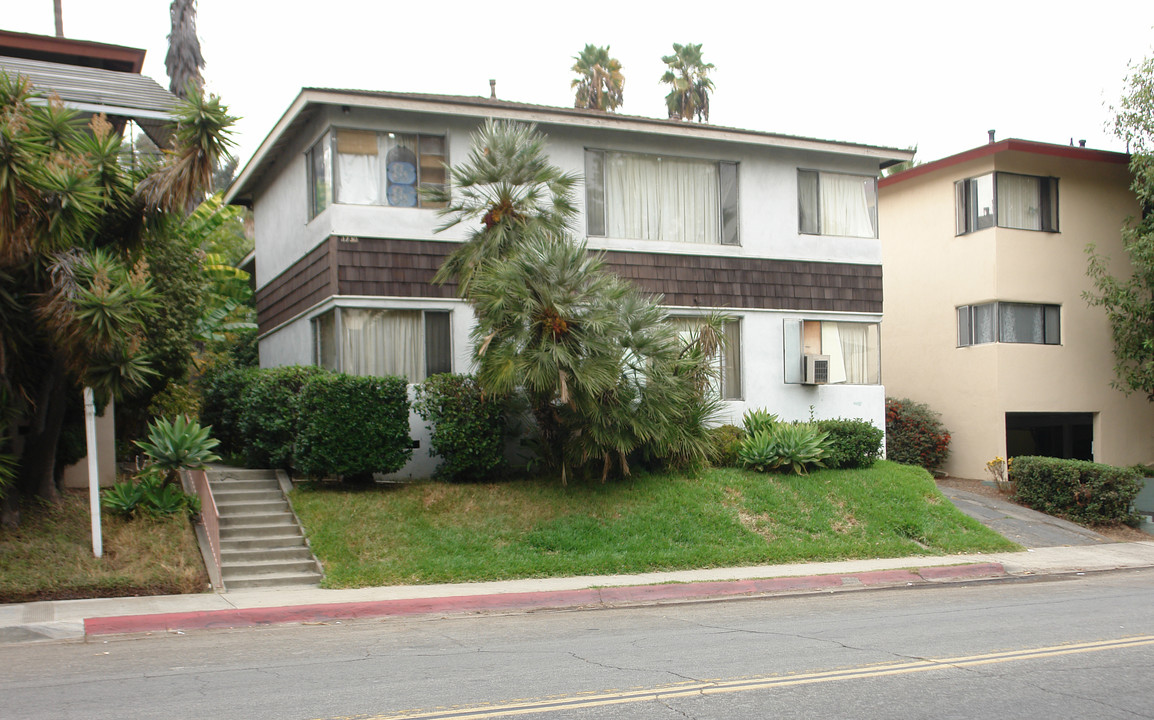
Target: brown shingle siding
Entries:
(405, 268)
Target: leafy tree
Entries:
(688, 96)
(76, 298)
(183, 61)
(605, 375)
(599, 82)
(1129, 302)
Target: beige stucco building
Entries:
(985, 269)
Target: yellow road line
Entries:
(765, 682)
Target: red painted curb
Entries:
(954, 572)
(251, 617)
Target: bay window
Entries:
(367, 167)
(853, 349)
(1022, 202)
(413, 344)
(1009, 322)
(656, 197)
(837, 204)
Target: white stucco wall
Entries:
(768, 202)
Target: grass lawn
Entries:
(435, 532)
(49, 557)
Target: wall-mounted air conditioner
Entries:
(816, 370)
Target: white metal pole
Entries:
(93, 471)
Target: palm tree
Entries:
(75, 301)
(689, 96)
(183, 61)
(599, 82)
(604, 373)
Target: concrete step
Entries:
(244, 519)
(273, 580)
(249, 532)
(229, 485)
(251, 507)
(270, 567)
(240, 474)
(232, 557)
(242, 543)
(223, 496)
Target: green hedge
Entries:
(222, 386)
(852, 443)
(352, 426)
(468, 429)
(1085, 492)
(267, 416)
(725, 441)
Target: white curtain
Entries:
(358, 168)
(984, 324)
(1019, 202)
(860, 351)
(382, 342)
(846, 201)
(657, 198)
(831, 347)
(1020, 323)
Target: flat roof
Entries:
(304, 106)
(67, 51)
(1009, 145)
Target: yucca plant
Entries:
(182, 443)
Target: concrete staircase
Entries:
(261, 543)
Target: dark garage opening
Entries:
(1060, 435)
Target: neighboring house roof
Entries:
(1009, 145)
(67, 51)
(304, 108)
(93, 90)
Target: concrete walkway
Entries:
(1070, 549)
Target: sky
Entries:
(928, 74)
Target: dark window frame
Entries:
(809, 219)
(728, 195)
(966, 335)
(967, 221)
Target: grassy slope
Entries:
(433, 532)
(50, 556)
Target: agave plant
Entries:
(756, 421)
(785, 446)
(182, 443)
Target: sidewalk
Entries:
(79, 619)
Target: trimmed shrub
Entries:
(267, 418)
(1085, 492)
(222, 388)
(915, 435)
(852, 443)
(468, 428)
(726, 440)
(352, 426)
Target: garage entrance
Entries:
(1060, 435)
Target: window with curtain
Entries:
(656, 197)
(837, 204)
(413, 344)
(367, 167)
(728, 362)
(1009, 323)
(1008, 200)
(853, 349)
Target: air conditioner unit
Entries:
(816, 370)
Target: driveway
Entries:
(1024, 526)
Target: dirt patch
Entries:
(1117, 533)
